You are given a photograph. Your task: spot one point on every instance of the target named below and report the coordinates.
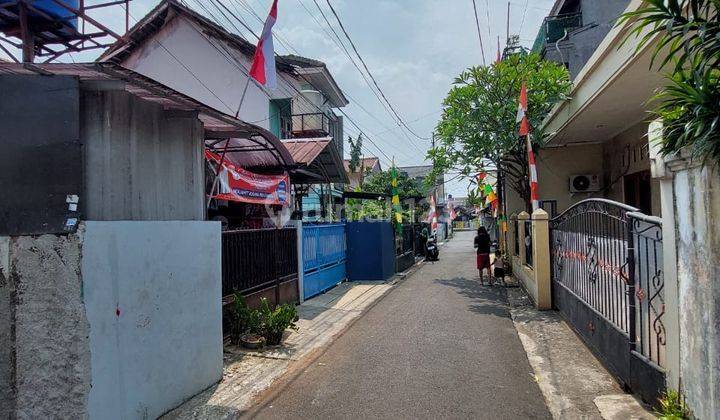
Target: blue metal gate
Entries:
(324, 256)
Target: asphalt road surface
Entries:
(439, 345)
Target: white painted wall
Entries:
(183, 58)
(165, 345)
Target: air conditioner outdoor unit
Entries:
(584, 183)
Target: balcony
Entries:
(554, 28)
(311, 125)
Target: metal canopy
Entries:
(318, 156)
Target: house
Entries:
(633, 227)
(106, 257)
(419, 173)
(574, 28)
(597, 145)
(188, 52)
(368, 166)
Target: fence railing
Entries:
(323, 245)
(528, 243)
(257, 258)
(590, 257)
(647, 242)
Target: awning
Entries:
(318, 161)
(268, 150)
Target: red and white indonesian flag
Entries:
(525, 131)
(432, 216)
(263, 66)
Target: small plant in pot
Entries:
(273, 323)
(246, 325)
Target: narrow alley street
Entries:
(438, 345)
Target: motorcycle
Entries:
(432, 252)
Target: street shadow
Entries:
(485, 300)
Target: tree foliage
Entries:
(380, 182)
(686, 34)
(478, 127)
(355, 153)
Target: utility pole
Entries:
(507, 27)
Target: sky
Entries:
(413, 48)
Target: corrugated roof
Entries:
(217, 124)
(319, 156)
(366, 163)
(305, 151)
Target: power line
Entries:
(522, 22)
(352, 44)
(347, 53)
(477, 23)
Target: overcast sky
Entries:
(414, 48)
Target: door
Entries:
(637, 191)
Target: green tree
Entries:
(478, 128)
(686, 34)
(355, 153)
(379, 182)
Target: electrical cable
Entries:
(477, 24)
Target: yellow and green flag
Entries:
(397, 209)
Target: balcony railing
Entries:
(554, 27)
(311, 124)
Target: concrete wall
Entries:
(555, 166)
(626, 154)
(153, 298)
(141, 162)
(697, 230)
(7, 333)
(120, 320)
(221, 81)
(598, 18)
(48, 362)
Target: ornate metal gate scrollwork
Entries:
(607, 278)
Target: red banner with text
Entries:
(238, 184)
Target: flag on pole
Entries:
(397, 209)
(432, 216)
(525, 131)
(263, 66)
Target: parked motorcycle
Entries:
(432, 252)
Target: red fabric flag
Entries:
(263, 66)
(525, 131)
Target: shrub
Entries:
(244, 319)
(273, 323)
(672, 407)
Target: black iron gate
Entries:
(608, 283)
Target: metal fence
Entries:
(255, 259)
(528, 243)
(647, 242)
(324, 257)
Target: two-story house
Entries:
(188, 52)
(574, 28)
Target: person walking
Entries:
(482, 245)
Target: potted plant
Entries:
(273, 323)
(245, 325)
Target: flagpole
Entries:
(242, 98)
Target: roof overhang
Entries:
(318, 160)
(217, 125)
(320, 78)
(609, 95)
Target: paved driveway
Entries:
(437, 346)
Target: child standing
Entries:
(499, 270)
(482, 244)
